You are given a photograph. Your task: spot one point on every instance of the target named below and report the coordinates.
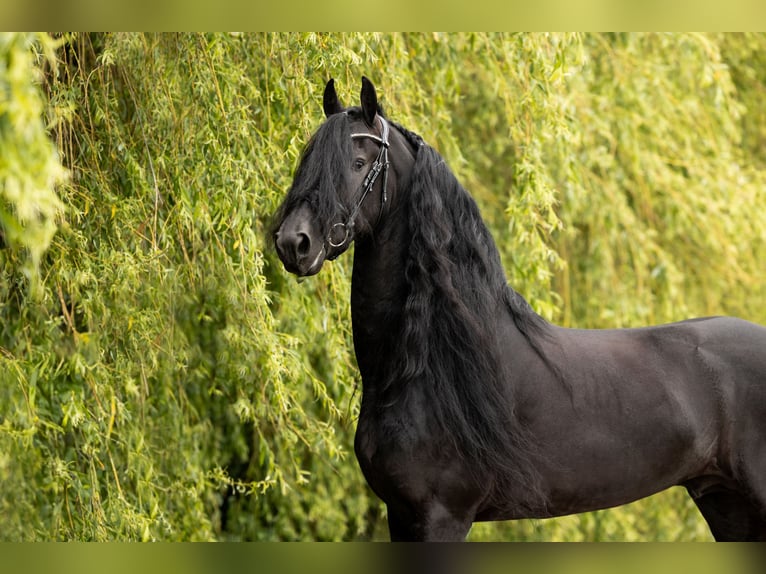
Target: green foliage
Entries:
(665, 203)
(169, 381)
(29, 166)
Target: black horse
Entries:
(474, 407)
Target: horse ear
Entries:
(369, 102)
(330, 102)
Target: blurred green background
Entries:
(163, 378)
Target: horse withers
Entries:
(473, 406)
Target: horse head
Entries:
(340, 188)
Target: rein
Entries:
(380, 164)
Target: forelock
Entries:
(322, 170)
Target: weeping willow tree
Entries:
(169, 381)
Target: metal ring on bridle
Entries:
(345, 235)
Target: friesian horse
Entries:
(474, 407)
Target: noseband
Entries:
(380, 164)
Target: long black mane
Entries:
(456, 287)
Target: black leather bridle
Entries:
(379, 165)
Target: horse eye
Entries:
(358, 164)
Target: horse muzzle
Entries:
(300, 249)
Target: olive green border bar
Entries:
(388, 15)
(299, 558)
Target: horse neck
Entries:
(378, 292)
(378, 288)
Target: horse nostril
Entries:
(303, 245)
(293, 244)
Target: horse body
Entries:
(648, 408)
(475, 408)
